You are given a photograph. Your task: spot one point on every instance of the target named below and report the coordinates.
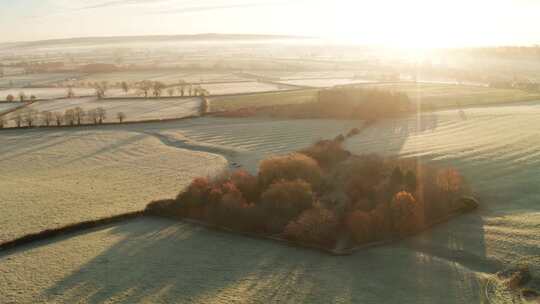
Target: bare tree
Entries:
(190, 89)
(47, 117)
(101, 89)
(205, 106)
(157, 88)
(18, 119)
(10, 98)
(79, 115)
(70, 93)
(93, 116)
(181, 90)
(125, 87)
(29, 117)
(102, 114)
(69, 117)
(121, 116)
(170, 91)
(145, 86)
(22, 96)
(59, 117)
(2, 123)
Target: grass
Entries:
(448, 95)
(436, 96)
(266, 99)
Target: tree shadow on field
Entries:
(162, 261)
(388, 136)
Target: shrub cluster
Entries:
(324, 194)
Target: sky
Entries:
(411, 23)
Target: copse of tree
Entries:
(2, 122)
(170, 92)
(369, 198)
(10, 98)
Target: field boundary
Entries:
(102, 124)
(68, 229)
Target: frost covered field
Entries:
(45, 93)
(243, 87)
(6, 106)
(160, 261)
(324, 83)
(135, 109)
(53, 178)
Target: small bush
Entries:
(316, 226)
(290, 167)
(284, 201)
(359, 223)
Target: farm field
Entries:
(165, 76)
(324, 83)
(53, 178)
(41, 79)
(45, 93)
(265, 99)
(450, 95)
(6, 106)
(246, 141)
(134, 109)
(496, 147)
(243, 87)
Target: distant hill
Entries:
(150, 38)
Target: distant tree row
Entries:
(71, 117)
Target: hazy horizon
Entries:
(417, 23)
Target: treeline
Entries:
(71, 117)
(324, 195)
(338, 103)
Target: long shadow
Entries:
(164, 261)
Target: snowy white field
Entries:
(135, 109)
(53, 178)
(45, 93)
(243, 87)
(159, 261)
(324, 83)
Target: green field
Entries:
(434, 95)
(450, 95)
